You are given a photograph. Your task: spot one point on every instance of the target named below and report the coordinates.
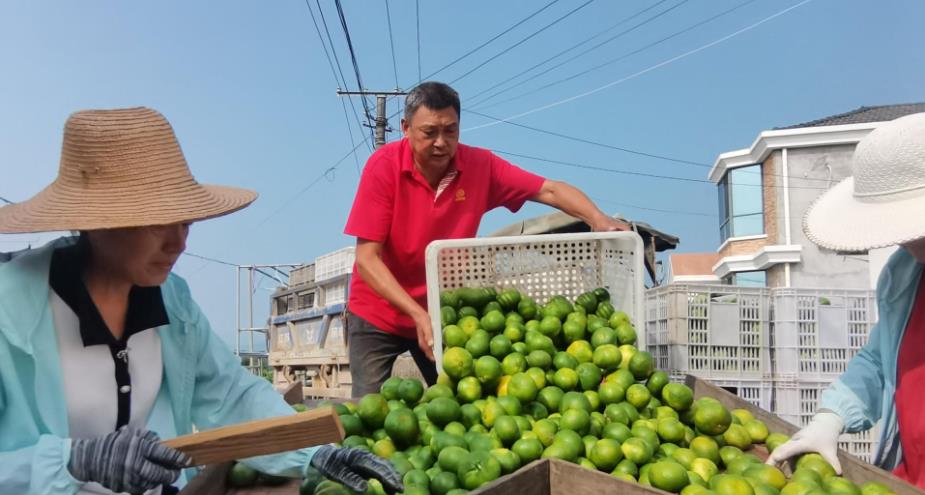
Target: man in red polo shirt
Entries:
(423, 188)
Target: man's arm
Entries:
(380, 279)
(571, 200)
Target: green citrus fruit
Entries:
(581, 350)
(442, 410)
(606, 454)
(668, 476)
(607, 357)
(242, 475)
(457, 362)
(411, 391)
(372, 410)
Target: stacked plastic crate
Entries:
(816, 332)
(331, 275)
(776, 348)
(715, 332)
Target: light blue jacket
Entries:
(865, 393)
(203, 383)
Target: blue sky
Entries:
(252, 98)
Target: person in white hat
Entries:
(103, 352)
(882, 204)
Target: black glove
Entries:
(126, 460)
(352, 467)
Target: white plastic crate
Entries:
(333, 293)
(540, 266)
(817, 331)
(335, 264)
(758, 393)
(304, 274)
(709, 331)
(797, 402)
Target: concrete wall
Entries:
(811, 170)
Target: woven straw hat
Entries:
(120, 168)
(883, 203)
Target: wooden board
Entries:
(852, 468)
(261, 437)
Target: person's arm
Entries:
(380, 279)
(571, 200)
(39, 468)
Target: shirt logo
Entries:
(460, 195)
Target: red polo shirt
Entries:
(396, 206)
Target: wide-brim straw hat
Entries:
(121, 168)
(883, 203)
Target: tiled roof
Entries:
(862, 115)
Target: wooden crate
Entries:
(555, 477)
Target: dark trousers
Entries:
(373, 352)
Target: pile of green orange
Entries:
(523, 381)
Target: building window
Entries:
(306, 299)
(741, 209)
(282, 305)
(747, 279)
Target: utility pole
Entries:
(382, 122)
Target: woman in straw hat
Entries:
(882, 205)
(102, 350)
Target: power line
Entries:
(227, 263)
(356, 161)
(356, 67)
(353, 56)
(206, 258)
(388, 18)
(645, 174)
(342, 79)
(625, 150)
(604, 169)
(586, 40)
(659, 210)
(595, 143)
(417, 18)
(334, 73)
(524, 40)
(311, 184)
(612, 61)
(644, 71)
(483, 45)
(5, 200)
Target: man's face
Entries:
(433, 136)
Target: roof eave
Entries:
(803, 137)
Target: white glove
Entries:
(820, 435)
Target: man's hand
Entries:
(610, 224)
(425, 333)
(820, 435)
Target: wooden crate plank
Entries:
(261, 437)
(532, 479)
(566, 478)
